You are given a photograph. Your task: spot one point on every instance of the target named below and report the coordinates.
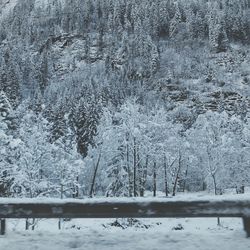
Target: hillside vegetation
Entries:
(114, 97)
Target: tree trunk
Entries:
(215, 184)
(177, 176)
(246, 222)
(61, 196)
(165, 176)
(135, 168)
(75, 188)
(94, 177)
(60, 224)
(185, 180)
(144, 178)
(140, 172)
(129, 174)
(27, 224)
(216, 193)
(2, 226)
(154, 180)
(33, 224)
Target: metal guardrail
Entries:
(124, 208)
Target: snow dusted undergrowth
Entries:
(96, 234)
(6, 7)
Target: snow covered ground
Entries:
(152, 234)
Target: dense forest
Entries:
(124, 97)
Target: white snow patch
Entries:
(15, 143)
(184, 197)
(6, 6)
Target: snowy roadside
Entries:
(185, 197)
(94, 234)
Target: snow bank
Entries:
(184, 198)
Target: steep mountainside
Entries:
(91, 66)
(46, 44)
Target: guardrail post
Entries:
(2, 226)
(246, 222)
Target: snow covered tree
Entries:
(175, 21)
(9, 147)
(85, 123)
(217, 31)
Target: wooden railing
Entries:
(125, 208)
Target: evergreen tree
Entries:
(175, 21)
(217, 32)
(9, 147)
